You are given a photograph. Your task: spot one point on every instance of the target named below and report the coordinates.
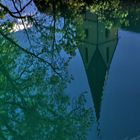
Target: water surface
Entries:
(70, 75)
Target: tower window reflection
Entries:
(86, 54)
(107, 54)
(86, 33)
(107, 33)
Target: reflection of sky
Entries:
(30, 9)
(120, 115)
(80, 82)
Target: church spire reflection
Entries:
(97, 52)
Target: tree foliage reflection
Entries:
(33, 104)
(34, 76)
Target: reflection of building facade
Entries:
(97, 52)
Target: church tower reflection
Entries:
(97, 52)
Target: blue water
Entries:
(71, 77)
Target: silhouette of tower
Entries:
(97, 52)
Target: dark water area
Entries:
(69, 70)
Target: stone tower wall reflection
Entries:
(97, 51)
